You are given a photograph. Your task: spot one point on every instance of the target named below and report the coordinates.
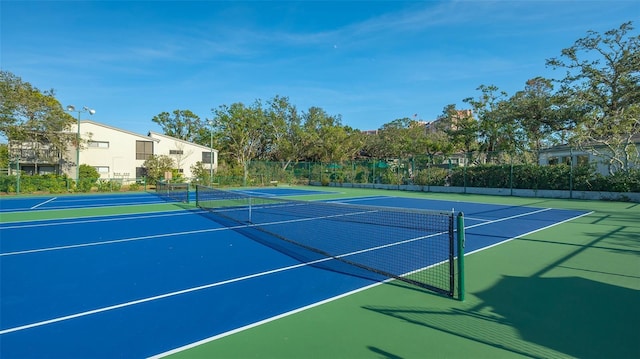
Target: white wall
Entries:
(190, 152)
(120, 155)
(118, 158)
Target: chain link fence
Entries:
(500, 170)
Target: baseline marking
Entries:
(117, 217)
(43, 203)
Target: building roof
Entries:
(116, 129)
(153, 135)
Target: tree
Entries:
(461, 128)
(602, 83)
(405, 137)
(88, 177)
(325, 139)
(286, 129)
(157, 166)
(240, 129)
(182, 124)
(4, 155)
(496, 129)
(28, 115)
(536, 115)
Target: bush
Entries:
(108, 186)
(433, 176)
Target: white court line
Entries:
(115, 217)
(189, 290)
(102, 243)
(69, 208)
(476, 219)
(358, 199)
(43, 203)
(524, 234)
(264, 321)
(161, 296)
(256, 193)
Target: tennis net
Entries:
(173, 191)
(415, 246)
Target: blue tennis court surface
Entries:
(140, 285)
(112, 200)
(280, 192)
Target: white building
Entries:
(568, 155)
(120, 154)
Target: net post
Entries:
(460, 221)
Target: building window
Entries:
(553, 160)
(582, 160)
(98, 144)
(206, 157)
(144, 150)
(102, 169)
(176, 152)
(141, 172)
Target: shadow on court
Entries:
(549, 315)
(542, 317)
(293, 250)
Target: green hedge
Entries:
(557, 177)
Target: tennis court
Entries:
(131, 275)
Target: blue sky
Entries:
(369, 61)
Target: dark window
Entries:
(176, 152)
(141, 172)
(144, 150)
(582, 159)
(206, 157)
(98, 144)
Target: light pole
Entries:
(91, 111)
(211, 153)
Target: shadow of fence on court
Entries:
(542, 317)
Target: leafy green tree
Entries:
(240, 130)
(157, 166)
(285, 127)
(4, 155)
(536, 114)
(201, 173)
(182, 124)
(325, 139)
(30, 115)
(461, 128)
(497, 130)
(602, 82)
(88, 178)
(405, 137)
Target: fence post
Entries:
(570, 172)
(511, 176)
(18, 177)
